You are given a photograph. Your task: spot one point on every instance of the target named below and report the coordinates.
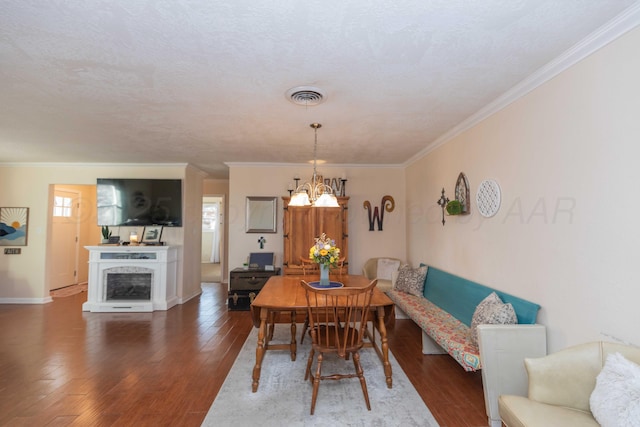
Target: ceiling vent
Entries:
(305, 95)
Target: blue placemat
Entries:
(331, 285)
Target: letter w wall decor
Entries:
(387, 204)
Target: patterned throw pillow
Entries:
(615, 401)
(491, 311)
(411, 280)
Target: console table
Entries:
(131, 278)
(244, 285)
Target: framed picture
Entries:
(152, 234)
(13, 226)
(261, 214)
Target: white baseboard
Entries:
(44, 300)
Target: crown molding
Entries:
(91, 165)
(306, 165)
(617, 27)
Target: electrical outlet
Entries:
(12, 251)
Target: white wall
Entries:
(189, 269)
(370, 183)
(566, 157)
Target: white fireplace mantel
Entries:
(158, 262)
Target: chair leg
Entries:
(316, 383)
(363, 382)
(305, 328)
(307, 371)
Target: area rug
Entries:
(284, 398)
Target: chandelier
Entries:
(315, 193)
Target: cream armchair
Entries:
(560, 386)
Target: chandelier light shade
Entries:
(315, 193)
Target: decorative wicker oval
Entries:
(488, 198)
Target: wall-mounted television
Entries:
(134, 202)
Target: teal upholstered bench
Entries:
(444, 313)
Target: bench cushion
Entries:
(450, 333)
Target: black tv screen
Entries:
(132, 202)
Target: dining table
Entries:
(285, 294)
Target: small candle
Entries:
(133, 238)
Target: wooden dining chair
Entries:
(340, 267)
(309, 266)
(337, 321)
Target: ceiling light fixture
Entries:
(315, 193)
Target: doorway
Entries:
(72, 225)
(65, 232)
(212, 239)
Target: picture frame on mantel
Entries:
(151, 235)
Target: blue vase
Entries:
(324, 275)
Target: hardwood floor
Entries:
(60, 366)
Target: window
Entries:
(62, 206)
(209, 216)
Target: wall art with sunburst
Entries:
(13, 226)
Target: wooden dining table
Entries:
(284, 294)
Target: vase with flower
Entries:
(325, 253)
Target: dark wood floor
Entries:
(60, 366)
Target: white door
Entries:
(65, 231)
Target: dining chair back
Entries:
(338, 324)
(309, 266)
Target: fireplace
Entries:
(128, 283)
(126, 278)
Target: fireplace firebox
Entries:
(129, 286)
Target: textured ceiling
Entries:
(204, 82)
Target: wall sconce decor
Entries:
(442, 202)
(262, 241)
(387, 204)
(462, 194)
